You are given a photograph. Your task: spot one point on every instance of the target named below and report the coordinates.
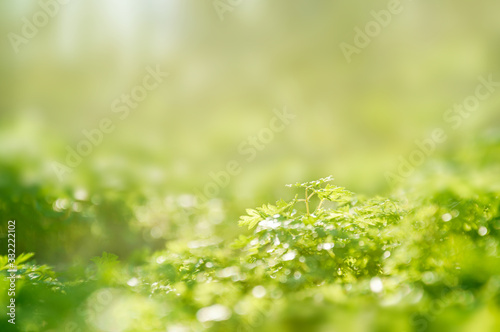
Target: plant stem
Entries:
(320, 204)
(307, 203)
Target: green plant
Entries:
(318, 261)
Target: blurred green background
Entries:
(225, 79)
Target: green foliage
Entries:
(264, 212)
(314, 188)
(337, 244)
(325, 259)
(404, 259)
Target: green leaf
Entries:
(253, 217)
(334, 194)
(312, 184)
(24, 257)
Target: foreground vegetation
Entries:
(425, 260)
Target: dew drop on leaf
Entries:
(259, 292)
(446, 217)
(376, 285)
(482, 231)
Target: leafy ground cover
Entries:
(325, 260)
